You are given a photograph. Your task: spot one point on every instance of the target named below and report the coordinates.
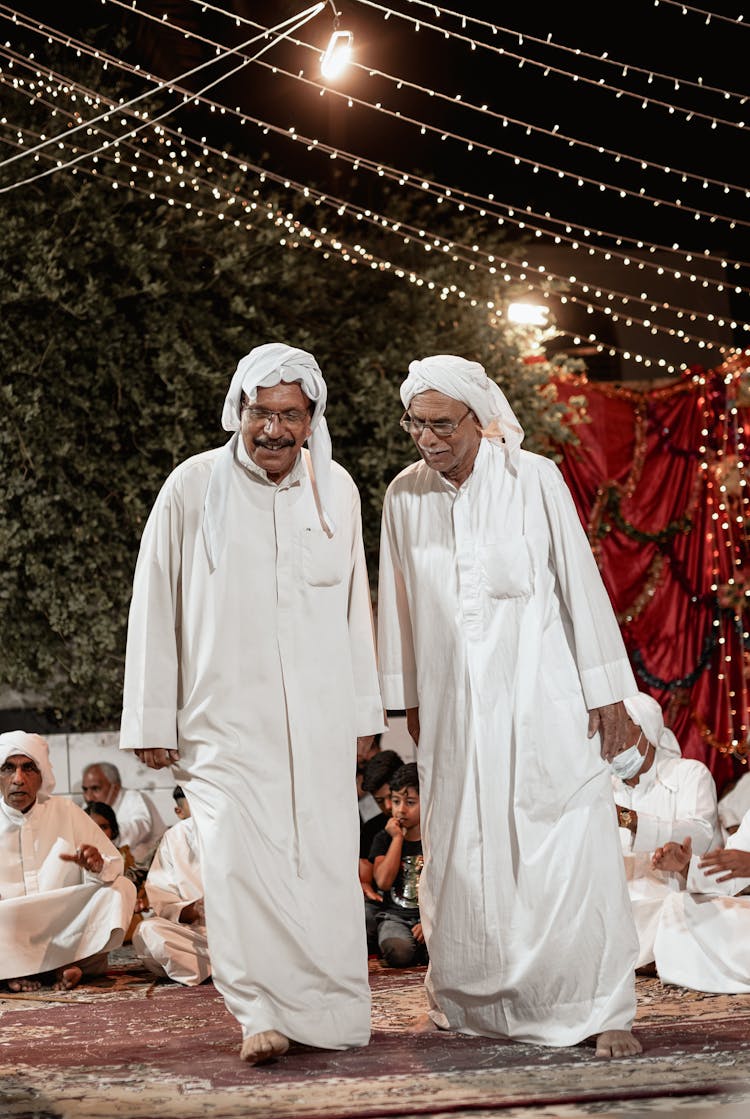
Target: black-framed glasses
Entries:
(290, 418)
(442, 428)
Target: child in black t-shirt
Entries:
(397, 857)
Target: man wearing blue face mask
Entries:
(661, 798)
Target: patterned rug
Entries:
(127, 1046)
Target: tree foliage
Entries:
(122, 319)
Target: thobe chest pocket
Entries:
(507, 568)
(323, 557)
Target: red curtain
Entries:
(659, 481)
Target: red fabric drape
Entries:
(646, 480)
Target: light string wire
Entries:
(550, 133)
(549, 42)
(300, 18)
(458, 249)
(522, 60)
(382, 169)
(736, 22)
(471, 144)
(303, 236)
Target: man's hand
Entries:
(613, 724)
(417, 933)
(364, 747)
(412, 723)
(193, 914)
(673, 857)
(727, 862)
(158, 759)
(87, 857)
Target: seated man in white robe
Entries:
(703, 939)
(661, 797)
(140, 824)
(64, 902)
(173, 941)
(734, 804)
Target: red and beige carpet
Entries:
(125, 1046)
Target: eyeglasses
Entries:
(291, 418)
(442, 428)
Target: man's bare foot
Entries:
(618, 1043)
(263, 1047)
(27, 983)
(68, 978)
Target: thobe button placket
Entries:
(28, 858)
(469, 588)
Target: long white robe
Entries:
(674, 799)
(734, 804)
(262, 674)
(493, 620)
(52, 913)
(703, 938)
(174, 881)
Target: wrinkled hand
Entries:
(158, 759)
(673, 857)
(87, 857)
(417, 933)
(727, 862)
(364, 747)
(412, 723)
(613, 724)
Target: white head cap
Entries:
(31, 746)
(264, 367)
(467, 381)
(647, 714)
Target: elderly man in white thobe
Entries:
(63, 900)
(251, 668)
(734, 805)
(703, 938)
(173, 942)
(140, 824)
(661, 798)
(497, 637)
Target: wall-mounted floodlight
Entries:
(527, 314)
(338, 53)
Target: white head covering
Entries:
(31, 746)
(647, 714)
(264, 367)
(467, 381)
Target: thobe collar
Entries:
(295, 476)
(660, 773)
(480, 464)
(16, 818)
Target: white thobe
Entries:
(138, 829)
(493, 619)
(703, 938)
(52, 913)
(262, 674)
(674, 799)
(734, 804)
(164, 944)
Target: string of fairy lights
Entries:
(468, 254)
(128, 144)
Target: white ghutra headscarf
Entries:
(467, 381)
(264, 367)
(31, 746)
(647, 714)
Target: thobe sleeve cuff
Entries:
(151, 728)
(608, 683)
(400, 691)
(370, 715)
(171, 910)
(698, 882)
(651, 833)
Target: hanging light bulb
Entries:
(338, 53)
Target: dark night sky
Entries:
(639, 33)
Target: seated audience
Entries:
(376, 782)
(660, 797)
(734, 804)
(397, 858)
(104, 817)
(367, 749)
(140, 824)
(173, 941)
(703, 939)
(64, 902)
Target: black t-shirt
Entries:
(403, 896)
(368, 831)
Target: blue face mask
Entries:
(629, 762)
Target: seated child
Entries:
(397, 857)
